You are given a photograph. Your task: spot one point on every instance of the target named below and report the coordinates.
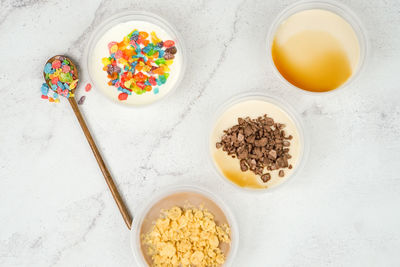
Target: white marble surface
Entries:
(342, 210)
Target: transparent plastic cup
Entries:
(99, 81)
(162, 200)
(341, 10)
(286, 108)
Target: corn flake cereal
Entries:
(186, 237)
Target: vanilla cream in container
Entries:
(317, 49)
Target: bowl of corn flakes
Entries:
(184, 226)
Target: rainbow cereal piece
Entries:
(137, 64)
(61, 76)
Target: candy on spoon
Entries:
(61, 78)
(63, 81)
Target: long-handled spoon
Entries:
(110, 182)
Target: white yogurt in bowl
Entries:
(114, 30)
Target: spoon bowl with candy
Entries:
(61, 76)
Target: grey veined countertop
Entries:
(341, 210)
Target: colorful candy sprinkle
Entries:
(137, 64)
(60, 75)
(88, 87)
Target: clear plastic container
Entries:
(286, 108)
(99, 81)
(153, 208)
(343, 11)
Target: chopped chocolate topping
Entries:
(266, 177)
(260, 144)
(272, 154)
(243, 165)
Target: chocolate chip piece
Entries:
(243, 165)
(240, 137)
(266, 177)
(286, 143)
(218, 145)
(285, 162)
(257, 152)
(243, 154)
(281, 173)
(262, 142)
(250, 139)
(272, 154)
(290, 166)
(270, 122)
(280, 162)
(248, 131)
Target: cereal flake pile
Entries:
(186, 237)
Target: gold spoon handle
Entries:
(110, 182)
